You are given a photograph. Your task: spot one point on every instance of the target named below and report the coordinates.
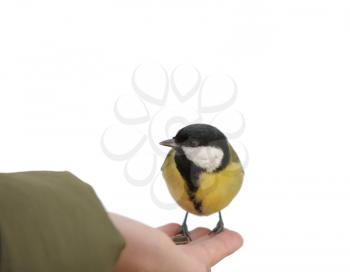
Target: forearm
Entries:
(52, 221)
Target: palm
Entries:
(206, 250)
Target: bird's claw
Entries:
(219, 228)
(183, 237)
(180, 239)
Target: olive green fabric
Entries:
(52, 221)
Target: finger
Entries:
(198, 233)
(202, 238)
(170, 229)
(211, 251)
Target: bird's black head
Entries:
(203, 144)
(199, 135)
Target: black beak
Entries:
(170, 143)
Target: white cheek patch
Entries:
(206, 157)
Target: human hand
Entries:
(149, 249)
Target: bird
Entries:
(203, 173)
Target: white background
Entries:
(63, 64)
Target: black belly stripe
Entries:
(190, 172)
(197, 204)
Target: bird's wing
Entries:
(167, 161)
(234, 156)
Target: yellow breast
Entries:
(215, 192)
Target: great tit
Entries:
(203, 173)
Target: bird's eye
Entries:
(194, 143)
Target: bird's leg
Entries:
(219, 226)
(184, 229)
(183, 237)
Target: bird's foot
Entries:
(183, 237)
(219, 228)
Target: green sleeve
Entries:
(54, 222)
